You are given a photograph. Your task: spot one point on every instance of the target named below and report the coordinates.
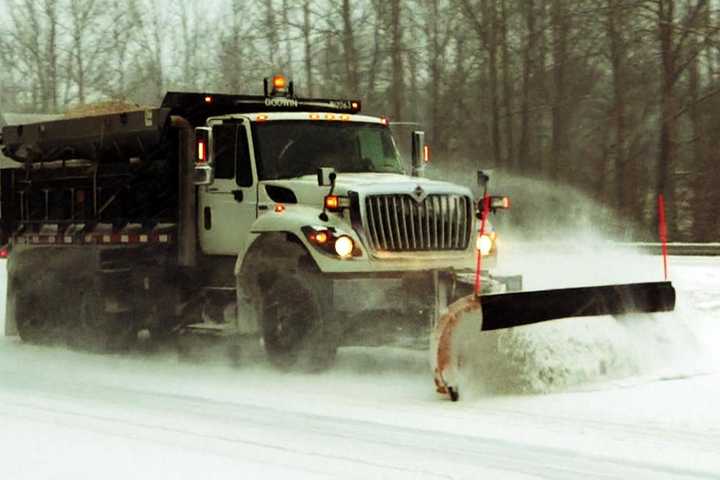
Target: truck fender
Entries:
(274, 227)
(256, 271)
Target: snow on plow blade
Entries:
(469, 316)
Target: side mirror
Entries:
(499, 202)
(482, 179)
(326, 176)
(495, 203)
(203, 146)
(420, 153)
(204, 172)
(204, 175)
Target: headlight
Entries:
(344, 246)
(332, 242)
(484, 244)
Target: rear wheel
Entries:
(100, 327)
(295, 333)
(40, 317)
(35, 322)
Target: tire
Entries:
(295, 334)
(98, 330)
(36, 324)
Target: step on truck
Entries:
(286, 219)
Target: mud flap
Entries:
(456, 331)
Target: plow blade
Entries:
(524, 308)
(465, 319)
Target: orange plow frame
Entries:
(471, 315)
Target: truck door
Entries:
(228, 207)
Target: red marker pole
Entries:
(662, 231)
(485, 213)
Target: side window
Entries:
(224, 150)
(243, 175)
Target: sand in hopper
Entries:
(103, 108)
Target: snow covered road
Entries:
(70, 415)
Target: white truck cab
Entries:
(265, 180)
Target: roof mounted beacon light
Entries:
(278, 86)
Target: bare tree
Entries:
(559, 14)
(508, 90)
(34, 33)
(376, 60)
(672, 37)
(624, 176)
(486, 30)
(151, 28)
(528, 54)
(349, 52)
(396, 45)
(87, 33)
(119, 36)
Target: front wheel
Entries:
(295, 333)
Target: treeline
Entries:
(617, 98)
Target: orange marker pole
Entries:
(485, 213)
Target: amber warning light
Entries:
(499, 202)
(332, 202)
(202, 151)
(279, 82)
(202, 140)
(335, 203)
(278, 85)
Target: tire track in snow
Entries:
(321, 436)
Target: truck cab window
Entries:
(224, 145)
(244, 165)
(232, 156)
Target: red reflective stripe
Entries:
(94, 239)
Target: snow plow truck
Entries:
(286, 219)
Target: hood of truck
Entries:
(307, 191)
(378, 238)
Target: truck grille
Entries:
(399, 223)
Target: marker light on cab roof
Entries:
(279, 82)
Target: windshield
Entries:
(287, 149)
